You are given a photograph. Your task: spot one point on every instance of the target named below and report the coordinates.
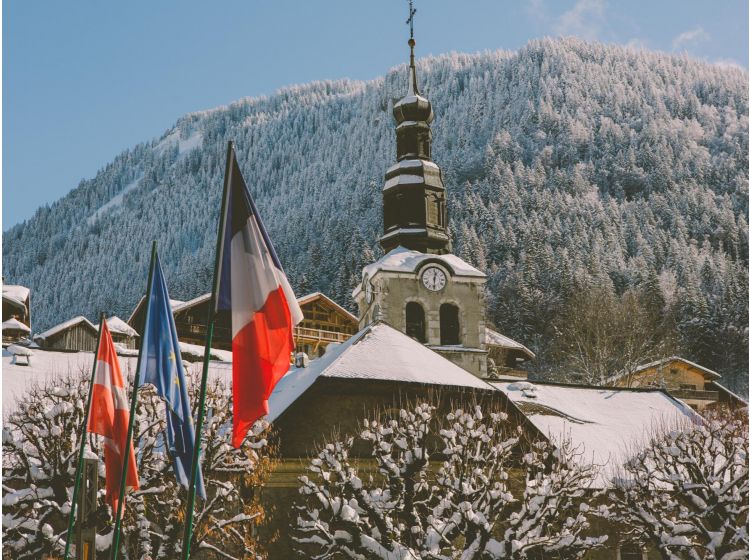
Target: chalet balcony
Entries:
(304, 333)
(692, 394)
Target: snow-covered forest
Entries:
(570, 166)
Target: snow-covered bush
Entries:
(686, 492)
(40, 449)
(490, 493)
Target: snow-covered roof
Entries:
(320, 295)
(17, 350)
(494, 338)
(117, 325)
(16, 292)
(64, 326)
(607, 423)
(709, 373)
(728, 392)
(15, 324)
(197, 351)
(401, 259)
(377, 352)
(172, 302)
(181, 306)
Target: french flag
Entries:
(254, 288)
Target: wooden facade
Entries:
(692, 383)
(76, 335)
(325, 322)
(16, 305)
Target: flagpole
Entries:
(188, 533)
(82, 447)
(133, 402)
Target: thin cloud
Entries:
(583, 20)
(689, 38)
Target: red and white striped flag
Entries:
(109, 417)
(253, 286)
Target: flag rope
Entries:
(188, 532)
(131, 420)
(77, 487)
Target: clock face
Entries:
(434, 279)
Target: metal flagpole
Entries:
(71, 517)
(188, 533)
(133, 401)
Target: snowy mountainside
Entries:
(566, 161)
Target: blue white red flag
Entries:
(253, 286)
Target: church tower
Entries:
(414, 209)
(418, 286)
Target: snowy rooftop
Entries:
(378, 352)
(63, 326)
(401, 259)
(15, 324)
(607, 423)
(117, 325)
(320, 295)
(494, 338)
(15, 293)
(709, 373)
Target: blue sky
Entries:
(84, 79)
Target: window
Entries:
(415, 321)
(449, 326)
(631, 551)
(688, 386)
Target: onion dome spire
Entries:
(414, 209)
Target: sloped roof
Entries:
(16, 292)
(377, 352)
(117, 325)
(15, 324)
(172, 302)
(181, 306)
(401, 259)
(494, 338)
(609, 423)
(64, 326)
(320, 295)
(709, 373)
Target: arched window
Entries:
(415, 321)
(449, 325)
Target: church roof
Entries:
(608, 424)
(377, 352)
(401, 259)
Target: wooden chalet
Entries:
(76, 335)
(506, 357)
(325, 322)
(122, 333)
(692, 383)
(16, 313)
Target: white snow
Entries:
(114, 202)
(410, 99)
(19, 350)
(197, 351)
(378, 352)
(708, 373)
(188, 304)
(412, 163)
(494, 338)
(403, 180)
(15, 292)
(185, 145)
(62, 326)
(117, 325)
(15, 324)
(609, 424)
(401, 259)
(191, 142)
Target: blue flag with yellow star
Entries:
(161, 366)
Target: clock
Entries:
(433, 278)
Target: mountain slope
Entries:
(565, 161)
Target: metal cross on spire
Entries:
(410, 20)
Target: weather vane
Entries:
(410, 21)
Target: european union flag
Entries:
(161, 366)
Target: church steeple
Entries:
(414, 209)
